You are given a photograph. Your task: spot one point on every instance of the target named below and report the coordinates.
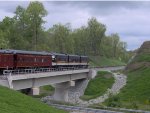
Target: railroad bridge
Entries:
(61, 78)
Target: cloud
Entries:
(65, 14)
(10, 6)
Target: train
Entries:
(21, 59)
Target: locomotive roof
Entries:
(28, 52)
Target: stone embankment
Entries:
(77, 91)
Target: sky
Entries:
(131, 20)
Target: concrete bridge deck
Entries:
(28, 80)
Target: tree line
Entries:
(25, 31)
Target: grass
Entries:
(138, 84)
(14, 102)
(142, 58)
(136, 94)
(103, 61)
(98, 86)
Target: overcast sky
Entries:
(131, 20)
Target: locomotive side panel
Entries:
(61, 59)
(74, 60)
(84, 61)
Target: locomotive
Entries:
(20, 59)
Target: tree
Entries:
(21, 18)
(35, 13)
(115, 43)
(80, 37)
(21, 29)
(4, 43)
(7, 31)
(96, 32)
(60, 37)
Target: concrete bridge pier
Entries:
(35, 91)
(61, 91)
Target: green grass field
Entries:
(142, 58)
(103, 61)
(136, 94)
(14, 102)
(99, 85)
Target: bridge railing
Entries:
(39, 70)
(3, 77)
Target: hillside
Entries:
(98, 85)
(14, 102)
(103, 61)
(136, 94)
(142, 58)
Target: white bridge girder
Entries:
(22, 81)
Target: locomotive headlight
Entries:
(53, 57)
